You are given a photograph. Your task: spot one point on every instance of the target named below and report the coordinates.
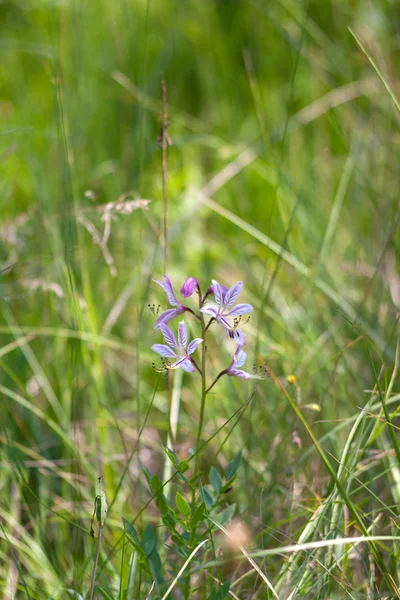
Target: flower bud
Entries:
(188, 287)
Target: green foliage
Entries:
(215, 480)
(231, 469)
(182, 505)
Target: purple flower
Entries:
(169, 314)
(180, 351)
(225, 300)
(238, 360)
(188, 287)
(237, 335)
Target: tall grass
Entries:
(283, 173)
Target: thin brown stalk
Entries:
(164, 141)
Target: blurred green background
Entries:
(283, 173)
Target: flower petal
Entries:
(178, 362)
(238, 373)
(166, 316)
(193, 345)
(240, 309)
(217, 292)
(240, 358)
(209, 310)
(188, 287)
(237, 335)
(232, 294)
(223, 288)
(167, 287)
(187, 366)
(163, 350)
(168, 335)
(227, 324)
(182, 335)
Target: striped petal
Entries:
(182, 334)
(225, 322)
(187, 366)
(217, 292)
(193, 345)
(168, 335)
(167, 287)
(232, 294)
(166, 316)
(163, 350)
(209, 310)
(240, 309)
(178, 362)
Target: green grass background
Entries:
(283, 173)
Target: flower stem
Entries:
(209, 323)
(187, 309)
(215, 381)
(203, 393)
(202, 371)
(196, 365)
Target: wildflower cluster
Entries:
(217, 308)
(218, 305)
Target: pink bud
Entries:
(188, 287)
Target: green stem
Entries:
(199, 432)
(96, 560)
(203, 394)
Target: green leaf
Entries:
(162, 504)
(183, 466)
(215, 479)
(156, 566)
(221, 593)
(148, 540)
(169, 520)
(208, 497)
(226, 514)
(131, 531)
(155, 484)
(233, 466)
(179, 541)
(171, 455)
(147, 473)
(227, 485)
(198, 513)
(182, 505)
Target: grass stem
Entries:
(96, 560)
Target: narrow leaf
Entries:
(183, 466)
(233, 466)
(215, 479)
(182, 505)
(148, 540)
(208, 497)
